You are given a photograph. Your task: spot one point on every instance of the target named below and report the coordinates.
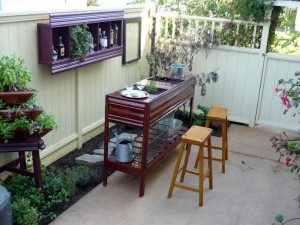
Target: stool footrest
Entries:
(195, 173)
(216, 159)
(186, 187)
(215, 147)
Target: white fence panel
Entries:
(270, 110)
(238, 85)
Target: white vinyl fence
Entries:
(247, 75)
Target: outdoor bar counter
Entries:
(145, 113)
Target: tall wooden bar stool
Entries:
(220, 115)
(194, 136)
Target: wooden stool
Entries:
(19, 165)
(194, 136)
(220, 115)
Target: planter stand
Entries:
(30, 145)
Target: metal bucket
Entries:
(124, 148)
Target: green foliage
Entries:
(23, 213)
(279, 218)
(151, 87)
(45, 120)
(8, 127)
(31, 205)
(81, 39)
(14, 75)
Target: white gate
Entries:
(270, 111)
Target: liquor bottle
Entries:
(100, 39)
(111, 37)
(104, 40)
(116, 35)
(61, 48)
(54, 54)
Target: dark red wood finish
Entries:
(145, 113)
(30, 145)
(60, 25)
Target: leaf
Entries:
(279, 218)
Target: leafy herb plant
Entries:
(81, 39)
(14, 75)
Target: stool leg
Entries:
(23, 163)
(186, 159)
(210, 163)
(224, 125)
(207, 123)
(176, 170)
(226, 139)
(37, 168)
(197, 161)
(201, 175)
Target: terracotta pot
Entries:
(24, 134)
(16, 98)
(30, 114)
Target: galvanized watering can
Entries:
(124, 148)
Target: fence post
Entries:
(265, 33)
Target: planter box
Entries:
(15, 98)
(30, 114)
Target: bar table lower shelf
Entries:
(32, 145)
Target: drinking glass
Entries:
(140, 86)
(129, 87)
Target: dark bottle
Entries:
(100, 39)
(116, 35)
(61, 48)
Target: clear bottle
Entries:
(61, 48)
(54, 54)
(100, 39)
(104, 40)
(116, 35)
(111, 37)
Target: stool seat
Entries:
(217, 113)
(194, 136)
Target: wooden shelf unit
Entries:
(145, 113)
(60, 24)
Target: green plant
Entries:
(14, 75)
(24, 213)
(151, 87)
(43, 121)
(81, 39)
(31, 205)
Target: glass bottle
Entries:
(54, 54)
(61, 48)
(111, 37)
(116, 35)
(100, 39)
(104, 40)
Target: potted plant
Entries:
(81, 41)
(21, 116)
(14, 77)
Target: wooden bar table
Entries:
(21, 146)
(145, 113)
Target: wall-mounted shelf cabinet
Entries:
(60, 25)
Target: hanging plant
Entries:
(81, 40)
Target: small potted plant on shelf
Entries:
(82, 40)
(20, 115)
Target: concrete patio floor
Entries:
(253, 190)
